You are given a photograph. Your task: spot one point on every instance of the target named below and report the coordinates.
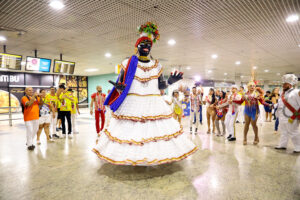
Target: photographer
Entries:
(30, 108)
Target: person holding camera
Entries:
(30, 108)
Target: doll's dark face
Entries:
(144, 48)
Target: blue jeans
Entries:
(276, 124)
(200, 117)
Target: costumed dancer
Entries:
(195, 108)
(232, 113)
(177, 106)
(240, 116)
(222, 108)
(97, 103)
(210, 102)
(142, 130)
(289, 113)
(252, 98)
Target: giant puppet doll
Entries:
(142, 130)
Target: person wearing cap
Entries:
(288, 112)
(232, 113)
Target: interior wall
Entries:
(101, 80)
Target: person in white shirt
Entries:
(195, 108)
(288, 112)
(232, 113)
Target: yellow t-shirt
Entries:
(74, 105)
(242, 94)
(52, 100)
(65, 103)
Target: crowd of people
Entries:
(49, 112)
(240, 106)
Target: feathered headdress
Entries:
(148, 31)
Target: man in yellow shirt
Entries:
(66, 99)
(75, 110)
(52, 99)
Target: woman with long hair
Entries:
(221, 109)
(210, 102)
(274, 98)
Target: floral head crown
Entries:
(151, 30)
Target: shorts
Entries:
(44, 119)
(59, 115)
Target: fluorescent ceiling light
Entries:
(56, 4)
(292, 18)
(188, 68)
(278, 74)
(225, 74)
(209, 71)
(91, 70)
(238, 62)
(171, 42)
(107, 55)
(2, 38)
(254, 67)
(242, 76)
(266, 70)
(214, 56)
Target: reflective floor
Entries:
(68, 169)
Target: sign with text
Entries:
(10, 61)
(64, 67)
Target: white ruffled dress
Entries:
(142, 131)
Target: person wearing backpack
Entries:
(30, 107)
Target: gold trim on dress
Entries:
(145, 160)
(142, 95)
(141, 143)
(144, 68)
(143, 80)
(143, 118)
(148, 68)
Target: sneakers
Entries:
(232, 139)
(70, 136)
(229, 136)
(196, 131)
(63, 135)
(56, 136)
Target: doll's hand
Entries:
(173, 78)
(118, 86)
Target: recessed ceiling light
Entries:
(107, 55)
(292, 18)
(188, 68)
(278, 74)
(242, 76)
(225, 74)
(91, 70)
(2, 38)
(238, 62)
(197, 78)
(214, 56)
(171, 42)
(298, 45)
(254, 67)
(266, 70)
(56, 4)
(23, 63)
(209, 71)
